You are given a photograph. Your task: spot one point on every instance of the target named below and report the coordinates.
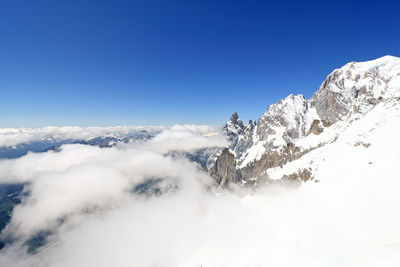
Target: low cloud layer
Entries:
(15, 136)
(83, 196)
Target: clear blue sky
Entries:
(164, 62)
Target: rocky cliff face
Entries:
(356, 87)
(294, 125)
(224, 170)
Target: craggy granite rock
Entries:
(297, 178)
(233, 129)
(224, 169)
(272, 159)
(316, 127)
(331, 105)
(301, 175)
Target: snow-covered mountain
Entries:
(359, 93)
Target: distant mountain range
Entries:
(52, 142)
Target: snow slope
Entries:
(368, 147)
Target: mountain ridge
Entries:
(279, 135)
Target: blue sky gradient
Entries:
(163, 62)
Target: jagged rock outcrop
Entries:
(295, 179)
(224, 169)
(272, 159)
(301, 175)
(244, 141)
(348, 92)
(233, 129)
(317, 127)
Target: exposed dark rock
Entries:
(235, 119)
(331, 106)
(272, 159)
(315, 128)
(326, 123)
(224, 170)
(297, 178)
(362, 143)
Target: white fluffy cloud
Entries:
(15, 136)
(79, 177)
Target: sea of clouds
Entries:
(14, 136)
(83, 196)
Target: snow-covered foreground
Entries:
(82, 195)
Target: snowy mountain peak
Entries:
(233, 128)
(357, 87)
(387, 60)
(291, 105)
(234, 124)
(285, 119)
(234, 117)
(293, 126)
